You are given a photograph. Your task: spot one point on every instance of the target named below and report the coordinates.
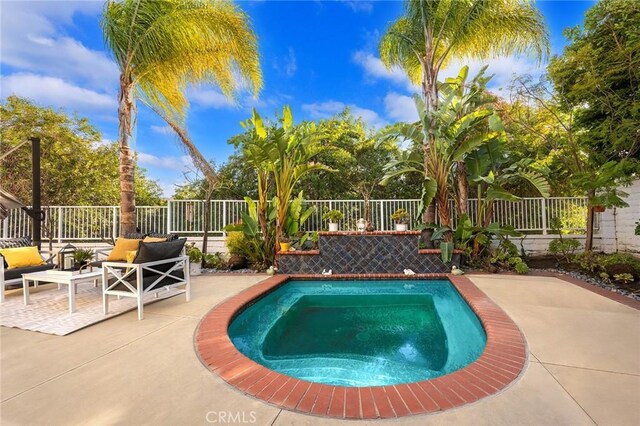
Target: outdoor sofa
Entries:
(13, 276)
(156, 267)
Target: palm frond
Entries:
(163, 46)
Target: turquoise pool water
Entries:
(360, 333)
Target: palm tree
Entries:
(431, 32)
(161, 47)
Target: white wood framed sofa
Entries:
(156, 267)
(13, 276)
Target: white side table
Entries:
(61, 277)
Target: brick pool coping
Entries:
(501, 363)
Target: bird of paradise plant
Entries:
(286, 153)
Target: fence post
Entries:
(60, 224)
(382, 219)
(224, 217)
(5, 227)
(544, 216)
(168, 216)
(114, 223)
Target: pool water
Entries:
(360, 333)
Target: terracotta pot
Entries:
(598, 209)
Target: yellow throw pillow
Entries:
(19, 257)
(123, 245)
(154, 240)
(131, 254)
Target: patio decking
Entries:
(583, 368)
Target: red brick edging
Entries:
(499, 365)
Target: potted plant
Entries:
(82, 257)
(195, 259)
(598, 208)
(333, 216)
(401, 218)
(285, 243)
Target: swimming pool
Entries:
(360, 333)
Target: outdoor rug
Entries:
(48, 309)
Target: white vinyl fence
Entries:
(186, 217)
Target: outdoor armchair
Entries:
(157, 267)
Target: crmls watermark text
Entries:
(231, 417)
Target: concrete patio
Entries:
(584, 365)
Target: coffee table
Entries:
(61, 277)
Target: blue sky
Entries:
(316, 56)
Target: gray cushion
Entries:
(151, 252)
(11, 274)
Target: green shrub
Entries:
(506, 256)
(333, 216)
(194, 253)
(253, 250)
(587, 261)
(400, 216)
(214, 261)
(564, 248)
(522, 268)
(237, 243)
(624, 278)
(615, 258)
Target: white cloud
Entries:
(163, 130)
(213, 98)
(210, 98)
(359, 5)
(400, 108)
(168, 162)
(288, 65)
(328, 109)
(56, 92)
(503, 68)
(374, 69)
(31, 42)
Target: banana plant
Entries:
(253, 145)
(491, 170)
(464, 122)
(288, 154)
(297, 217)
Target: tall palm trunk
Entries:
(463, 188)
(127, 161)
(430, 95)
